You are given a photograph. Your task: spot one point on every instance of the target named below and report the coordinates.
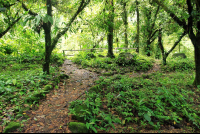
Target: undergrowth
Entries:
(92, 60)
(179, 64)
(21, 85)
(149, 101)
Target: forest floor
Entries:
(51, 116)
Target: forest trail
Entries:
(52, 114)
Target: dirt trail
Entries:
(52, 114)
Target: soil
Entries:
(51, 116)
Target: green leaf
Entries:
(38, 17)
(158, 101)
(9, 89)
(87, 125)
(8, 81)
(14, 81)
(94, 129)
(91, 123)
(147, 117)
(50, 19)
(45, 18)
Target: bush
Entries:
(57, 59)
(179, 64)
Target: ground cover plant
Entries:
(134, 92)
(109, 66)
(179, 64)
(22, 85)
(150, 102)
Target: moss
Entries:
(11, 127)
(78, 127)
(80, 111)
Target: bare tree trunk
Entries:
(138, 28)
(110, 29)
(124, 17)
(47, 31)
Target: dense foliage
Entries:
(33, 33)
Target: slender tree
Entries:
(150, 29)
(191, 24)
(46, 23)
(125, 20)
(138, 27)
(110, 28)
(160, 43)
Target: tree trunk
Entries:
(164, 55)
(124, 17)
(47, 52)
(110, 30)
(48, 45)
(138, 28)
(197, 62)
(148, 32)
(148, 48)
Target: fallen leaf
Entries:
(42, 124)
(50, 127)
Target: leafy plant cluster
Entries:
(150, 101)
(179, 64)
(101, 62)
(36, 58)
(7, 49)
(21, 87)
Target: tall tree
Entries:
(110, 28)
(125, 20)
(150, 29)
(190, 22)
(46, 23)
(138, 27)
(160, 43)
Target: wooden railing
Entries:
(115, 49)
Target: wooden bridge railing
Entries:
(92, 49)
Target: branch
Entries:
(160, 41)
(154, 33)
(26, 9)
(80, 8)
(181, 23)
(176, 43)
(155, 17)
(4, 32)
(152, 40)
